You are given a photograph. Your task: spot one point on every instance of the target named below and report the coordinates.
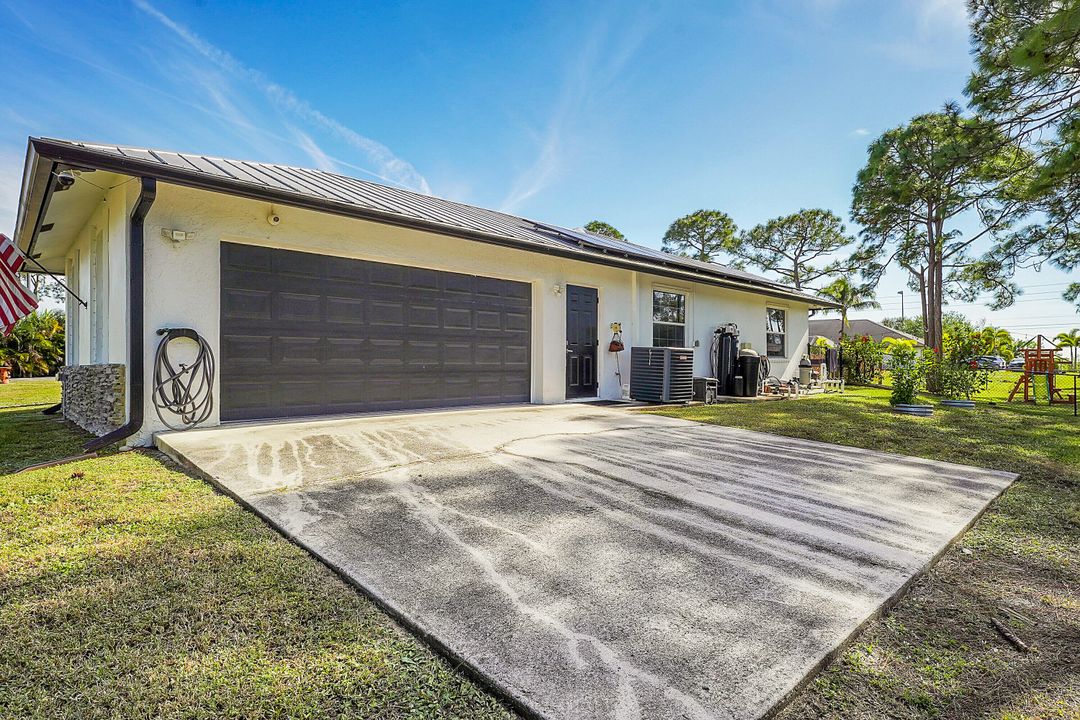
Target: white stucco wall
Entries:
(182, 283)
(98, 332)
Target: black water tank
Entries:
(749, 368)
(726, 361)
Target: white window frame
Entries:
(73, 321)
(685, 324)
(99, 292)
(784, 352)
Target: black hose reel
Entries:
(186, 390)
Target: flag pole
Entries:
(58, 280)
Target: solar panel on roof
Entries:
(640, 251)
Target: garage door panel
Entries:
(347, 273)
(246, 400)
(488, 320)
(348, 394)
(424, 316)
(423, 354)
(423, 279)
(383, 312)
(387, 275)
(303, 307)
(247, 348)
(457, 284)
(346, 355)
(423, 389)
(297, 265)
(252, 304)
(457, 318)
(310, 334)
(490, 287)
(516, 357)
(386, 394)
(517, 321)
(346, 310)
(297, 353)
(459, 389)
(247, 258)
(488, 355)
(386, 352)
(458, 355)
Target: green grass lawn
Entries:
(129, 589)
(935, 655)
(28, 437)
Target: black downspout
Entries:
(135, 321)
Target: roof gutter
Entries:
(133, 166)
(135, 321)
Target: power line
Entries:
(1023, 299)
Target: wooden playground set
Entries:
(1039, 378)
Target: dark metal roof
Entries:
(340, 194)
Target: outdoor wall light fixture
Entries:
(557, 289)
(177, 236)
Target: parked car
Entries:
(989, 362)
(1016, 364)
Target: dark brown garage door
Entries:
(305, 334)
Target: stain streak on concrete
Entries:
(596, 563)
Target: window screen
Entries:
(669, 319)
(775, 332)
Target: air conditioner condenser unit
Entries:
(662, 374)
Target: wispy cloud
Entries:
(11, 165)
(603, 56)
(390, 167)
(316, 153)
(860, 132)
(938, 36)
(936, 15)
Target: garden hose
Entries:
(185, 390)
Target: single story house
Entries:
(321, 294)
(829, 328)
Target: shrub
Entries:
(908, 371)
(953, 373)
(36, 346)
(862, 359)
(958, 380)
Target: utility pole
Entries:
(901, 294)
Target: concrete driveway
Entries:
(599, 563)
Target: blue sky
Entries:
(565, 112)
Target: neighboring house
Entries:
(322, 294)
(829, 328)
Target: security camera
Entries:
(64, 180)
(273, 219)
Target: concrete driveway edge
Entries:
(416, 628)
(884, 608)
(594, 564)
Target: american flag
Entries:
(16, 302)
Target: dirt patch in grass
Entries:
(936, 654)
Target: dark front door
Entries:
(305, 334)
(581, 346)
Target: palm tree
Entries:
(1071, 340)
(997, 341)
(849, 297)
